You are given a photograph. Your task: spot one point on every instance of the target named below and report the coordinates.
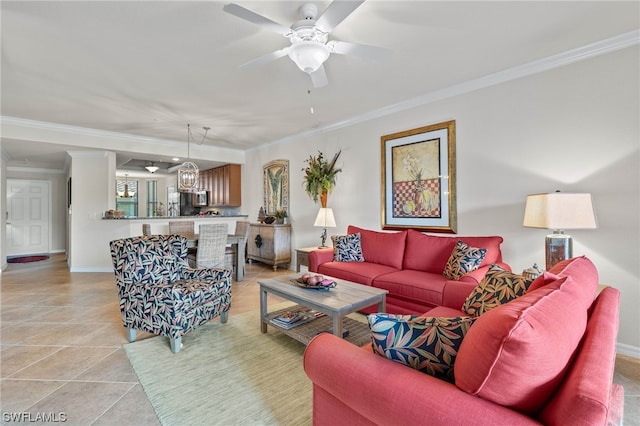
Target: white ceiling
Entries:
(147, 68)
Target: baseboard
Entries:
(91, 270)
(628, 350)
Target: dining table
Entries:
(237, 241)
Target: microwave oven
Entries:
(201, 199)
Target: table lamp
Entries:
(559, 211)
(325, 220)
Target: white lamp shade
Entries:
(152, 168)
(325, 218)
(559, 210)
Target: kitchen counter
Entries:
(132, 226)
(197, 216)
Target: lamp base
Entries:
(558, 247)
(323, 236)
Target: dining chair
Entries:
(160, 294)
(212, 241)
(184, 228)
(146, 229)
(242, 228)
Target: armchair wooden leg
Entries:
(176, 344)
(131, 334)
(224, 317)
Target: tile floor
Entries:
(61, 348)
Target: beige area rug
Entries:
(226, 374)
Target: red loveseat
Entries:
(545, 358)
(410, 265)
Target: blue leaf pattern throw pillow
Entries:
(427, 344)
(463, 260)
(347, 248)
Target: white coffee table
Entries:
(336, 303)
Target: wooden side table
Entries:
(302, 257)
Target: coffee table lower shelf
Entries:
(358, 331)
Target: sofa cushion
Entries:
(489, 243)
(384, 248)
(517, 354)
(427, 253)
(347, 248)
(580, 268)
(463, 259)
(497, 287)
(420, 287)
(444, 311)
(426, 344)
(541, 280)
(358, 272)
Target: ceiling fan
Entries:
(310, 46)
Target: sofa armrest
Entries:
(455, 293)
(386, 392)
(477, 275)
(318, 257)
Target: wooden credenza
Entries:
(270, 244)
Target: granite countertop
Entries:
(197, 216)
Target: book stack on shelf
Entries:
(294, 318)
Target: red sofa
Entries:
(409, 264)
(545, 358)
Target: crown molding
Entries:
(83, 131)
(32, 170)
(588, 51)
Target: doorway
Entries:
(28, 217)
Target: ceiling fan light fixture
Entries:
(152, 168)
(309, 55)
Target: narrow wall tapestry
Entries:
(276, 186)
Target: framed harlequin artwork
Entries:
(419, 179)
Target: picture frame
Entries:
(276, 186)
(419, 179)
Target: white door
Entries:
(28, 217)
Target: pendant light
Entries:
(127, 193)
(152, 168)
(188, 172)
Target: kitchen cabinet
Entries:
(224, 185)
(270, 244)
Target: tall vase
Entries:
(323, 199)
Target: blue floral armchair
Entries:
(160, 294)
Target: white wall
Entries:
(92, 189)
(573, 128)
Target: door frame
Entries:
(49, 212)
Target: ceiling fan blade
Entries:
(336, 13)
(361, 50)
(319, 78)
(251, 16)
(266, 58)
